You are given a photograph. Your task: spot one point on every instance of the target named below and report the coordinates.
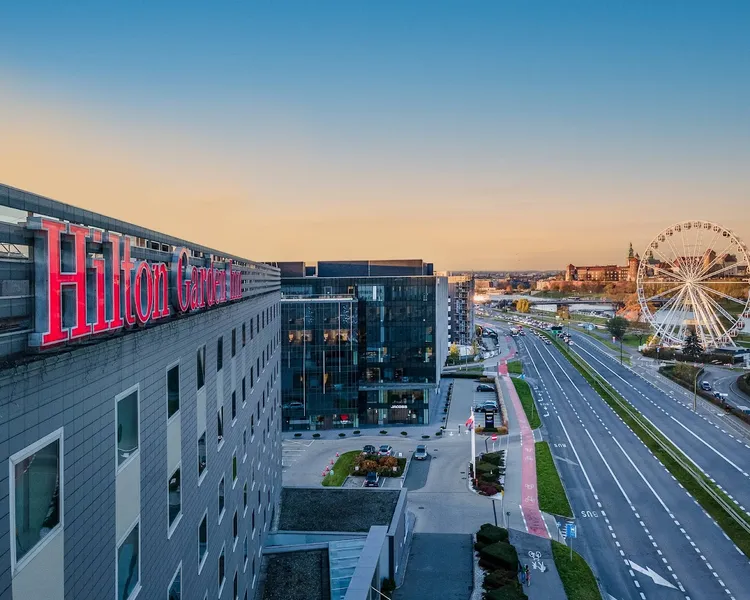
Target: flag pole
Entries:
(473, 446)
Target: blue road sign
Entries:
(570, 530)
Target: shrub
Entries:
(438, 433)
(489, 534)
(499, 578)
(366, 465)
(442, 427)
(342, 434)
(445, 410)
(388, 461)
(425, 437)
(387, 587)
(500, 554)
(511, 591)
(486, 488)
(490, 430)
(404, 433)
(316, 435)
(478, 430)
(297, 435)
(383, 432)
(356, 432)
(494, 458)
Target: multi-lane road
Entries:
(642, 533)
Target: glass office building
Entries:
(401, 344)
(319, 362)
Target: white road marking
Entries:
(705, 443)
(606, 464)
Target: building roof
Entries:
(299, 575)
(321, 509)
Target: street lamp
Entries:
(695, 390)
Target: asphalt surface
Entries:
(725, 381)
(642, 534)
(722, 455)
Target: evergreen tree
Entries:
(692, 348)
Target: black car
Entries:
(372, 479)
(369, 449)
(485, 387)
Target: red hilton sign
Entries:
(83, 292)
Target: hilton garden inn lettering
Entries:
(87, 283)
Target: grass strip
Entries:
(527, 401)
(341, 469)
(552, 498)
(577, 579)
(515, 367)
(649, 436)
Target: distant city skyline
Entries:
(490, 136)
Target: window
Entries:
(220, 354)
(234, 468)
(244, 496)
(201, 454)
(35, 505)
(234, 342)
(244, 392)
(252, 378)
(244, 552)
(173, 390)
(257, 323)
(221, 571)
(128, 565)
(234, 407)
(201, 366)
(257, 366)
(202, 540)
(244, 444)
(252, 425)
(235, 527)
(264, 401)
(221, 498)
(243, 335)
(235, 589)
(253, 521)
(220, 426)
(175, 587)
(127, 426)
(251, 329)
(175, 500)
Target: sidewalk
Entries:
(537, 553)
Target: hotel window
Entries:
(202, 540)
(175, 587)
(235, 589)
(244, 553)
(220, 426)
(252, 378)
(175, 497)
(244, 392)
(234, 407)
(35, 503)
(234, 468)
(173, 390)
(251, 329)
(252, 519)
(235, 528)
(201, 366)
(234, 342)
(220, 354)
(127, 426)
(252, 425)
(221, 498)
(244, 497)
(221, 571)
(129, 565)
(244, 444)
(257, 323)
(243, 335)
(257, 366)
(201, 454)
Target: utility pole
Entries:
(695, 390)
(620, 349)
(473, 445)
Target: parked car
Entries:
(385, 450)
(705, 386)
(421, 452)
(369, 449)
(372, 479)
(485, 387)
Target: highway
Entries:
(702, 437)
(640, 531)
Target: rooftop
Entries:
(352, 510)
(297, 576)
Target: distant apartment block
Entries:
(461, 309)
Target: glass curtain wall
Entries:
(319, 363)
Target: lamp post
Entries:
(695, 390)
(620, 349)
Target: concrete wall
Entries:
(76, 390)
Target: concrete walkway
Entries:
(536, 552)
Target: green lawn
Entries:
(515, 367)
(341, 469)
(576, 575)
(527, 401)
(552, 498)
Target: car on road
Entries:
(372, 479)
(369, 449)
(385, 450)
(705, 386)
(421, 452)
(485, 387)
(294, 406)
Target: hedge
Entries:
(743, 381)
(512, 591)
(490, 534)
(500, 555)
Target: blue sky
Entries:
(381, 129)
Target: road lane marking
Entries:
(606, 464)
(705, 443)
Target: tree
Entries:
(617, 326)
(453, 353)
(692, 348)
(478, 331)
(522, 305)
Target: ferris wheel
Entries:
(693, 277)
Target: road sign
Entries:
(570, 530)
(494, 437)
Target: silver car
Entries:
(421, 452)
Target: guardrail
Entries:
(647, 426)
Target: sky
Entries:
(473, 134)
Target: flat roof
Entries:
(326, 509)
(299, 575)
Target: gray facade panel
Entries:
(76, 390)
